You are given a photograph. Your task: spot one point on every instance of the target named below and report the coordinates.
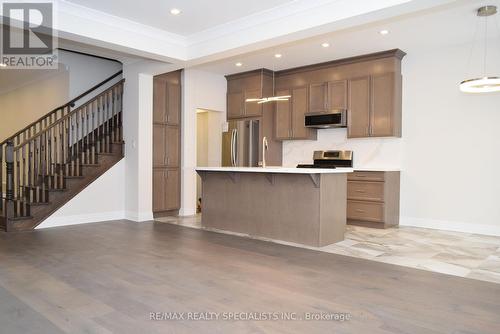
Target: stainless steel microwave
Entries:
(324, 120)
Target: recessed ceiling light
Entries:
(175, 11)
(325, 45)
(3, 65)
(239, 64)
(278, 55)
(384, 32)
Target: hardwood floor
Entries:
(108, 277)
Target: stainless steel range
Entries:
(330, 159)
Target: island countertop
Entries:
(278, 170)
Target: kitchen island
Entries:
(300, 205)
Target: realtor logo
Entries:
(28, 40)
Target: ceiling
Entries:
(196, 16)
(445, 26)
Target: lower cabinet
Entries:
(166, 185)
(373, 199)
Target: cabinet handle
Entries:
(361, 191)
(360, 211)
(359, 175)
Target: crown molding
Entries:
(286, 23)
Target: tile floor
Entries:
(454, 253)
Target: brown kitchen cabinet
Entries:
(167, 102)
(242, 87)
(373, 198)
(252, 109)
(327, 96)
(166, 143)
(166, 192)
(337, 94)
(235, 107)
(283, 120)
(289, 121)
(375, 106)
(318, 96)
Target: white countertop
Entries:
(279, 170)
(377, 169)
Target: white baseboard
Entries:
(81, 219)
(139, 216)
(451, 226)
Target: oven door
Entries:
(333, 119)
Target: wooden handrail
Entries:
(105, 81)
(65, 117)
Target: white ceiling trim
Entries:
(289, 22)
(83, 24)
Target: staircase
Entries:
(50, 161)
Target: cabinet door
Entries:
(383, 105)
(172, 149)
(358, 119)
(159, 145)
(172, 193)
(318, 97)
(159, 184)
(283, 118)
(299, 109)
(159, 101)
(234, 105)
(337, 94)
(166, 146)
(253, 108)
(173, 112)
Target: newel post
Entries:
(9, 193)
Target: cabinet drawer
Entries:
(368, 191)
(366, 211)
(366, 176)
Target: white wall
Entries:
(77, 73)
(22, 106)
(85, 71)
(102, 200)
(201, 90)
(450, 150)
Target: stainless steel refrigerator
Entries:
(240, 144)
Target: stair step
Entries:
(39, 188)
(39, 203)
(21, 218)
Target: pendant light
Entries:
(486, 84)
(270, 98)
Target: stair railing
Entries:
(40, 157)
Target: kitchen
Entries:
(407, 136)
(361, 94)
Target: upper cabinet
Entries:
(235, 105)
(318, 97)
(337, 94)
(167, 102)
(375, 106)
(250, 85)
(358, 116)
(289, 121)
(369, 87)
(327, 96)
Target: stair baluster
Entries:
(41, 158)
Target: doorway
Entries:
(209, 126)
